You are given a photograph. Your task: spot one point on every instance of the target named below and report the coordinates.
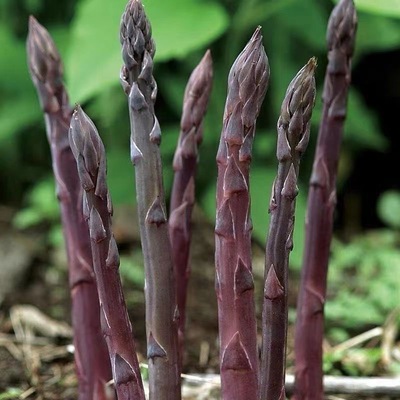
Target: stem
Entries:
(293, 136)
(88, 150)
(247, 85)
(91, 356)
(195, 103)
(321, 205)
(161, 310)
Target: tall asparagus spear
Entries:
(88, 150)
(321, 205)
(161, 310)
(247, 85)
(91, 356)
(293, 136)
(195, 103)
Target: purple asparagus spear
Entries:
(195, 103)
(91, 356)
(88, 150)
(321, 205)
(161, 310)
(293, 135)
(247, 85)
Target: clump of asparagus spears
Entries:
(321, 205)
(247, 85)
(162, 314)
(293, 136)
(92, 252)
(89, 153)
(195, 101)
(91, 357)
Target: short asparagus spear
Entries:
(247, 85)
(91, 356)
(161, 310)
(321, 205)
(195, 103)
(293, 136)
(88, 150)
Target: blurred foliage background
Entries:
(364, 276)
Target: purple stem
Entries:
(91, 356)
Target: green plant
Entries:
(362, 291)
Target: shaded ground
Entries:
(44, 369)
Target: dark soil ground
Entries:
(35, 365)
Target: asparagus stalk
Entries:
(91, 356)
(247, 85)
(89, 154)
(195, 103)
(293, 136)
(321, 205)
(161, 310)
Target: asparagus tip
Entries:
(312, 64)
(42, 53)
(342, 25)
(138, 47)
(207, 58)
(32, 22)
(257, 33)
(296, 111)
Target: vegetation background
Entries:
(364, 281)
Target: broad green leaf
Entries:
(388, 8)
(179, 26)
(120, 175)
(389, 208)
(283, 68)
(306, 21)
(13, 65)
(376, 33)
(17, 113)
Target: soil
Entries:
(44, 369)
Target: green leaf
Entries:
(283, 62)
(41, 205)
(389, 208)
(132, 270)
(313, 17)
(13, 66)
(18, 112)
(120, 176)
(362, 288)
(179, 27)
(388, 8)
(376, 33)
(11, 393)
